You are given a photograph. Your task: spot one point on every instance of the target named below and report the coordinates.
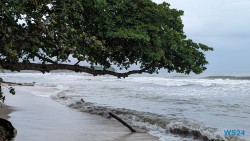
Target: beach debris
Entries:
(82, 100)
(122, 121)
(7, 131)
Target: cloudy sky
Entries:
(221, 24)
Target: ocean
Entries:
(170, 106)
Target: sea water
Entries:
(172, 107)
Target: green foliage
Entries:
(1, 69)
(2, 97)
(38, 3)
(101, 32)
(12, 91)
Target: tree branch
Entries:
(49, 67)
(46, 59)
(77, 62)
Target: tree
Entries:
(101, 32)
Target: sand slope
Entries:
(39, 119)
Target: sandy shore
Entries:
(5, 111)
(38, 119)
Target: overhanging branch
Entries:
(45, 59)
(49, 67)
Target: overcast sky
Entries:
(221, 24)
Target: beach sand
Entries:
(5, 111)
(41, 118)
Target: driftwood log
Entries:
(122, 121)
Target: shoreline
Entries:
(41, 118)
(5, 110)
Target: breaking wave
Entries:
(230, 77)
(186, 129)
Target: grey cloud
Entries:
(221, 24)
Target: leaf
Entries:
(12, 91)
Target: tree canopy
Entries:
(100, 32)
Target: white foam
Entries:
(40, 95)
(200, 99)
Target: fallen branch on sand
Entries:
(122, 121)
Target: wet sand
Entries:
(38, 119)
(5, 111)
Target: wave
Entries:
(173, 82)
(229, 77)
(152, 122)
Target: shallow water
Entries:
(209, 105)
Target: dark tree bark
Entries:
(49, 67)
